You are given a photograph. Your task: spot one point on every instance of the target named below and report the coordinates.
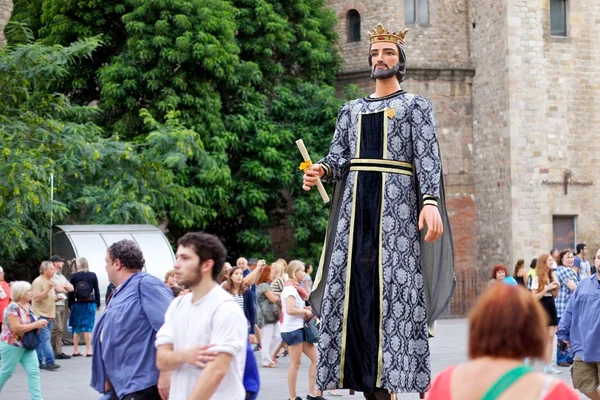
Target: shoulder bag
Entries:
(311, 330)
(31, 339)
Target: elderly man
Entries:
(579, 328)
(62, 287)
(123, 340)
(44, 306)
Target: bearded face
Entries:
(383, 71)
(387, 60)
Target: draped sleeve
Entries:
(428, 165)
(337, 161)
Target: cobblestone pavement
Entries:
(71, 381)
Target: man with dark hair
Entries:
(207, 357)
(581, 265)
(554, 254)
(382, 278)
(62, 287)
(123, 340)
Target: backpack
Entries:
(83, 291)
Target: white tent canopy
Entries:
(92, 241)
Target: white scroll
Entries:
(306, 157)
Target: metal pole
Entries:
(51, 205)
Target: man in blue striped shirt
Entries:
(580, 327)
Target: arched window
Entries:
(353, 26)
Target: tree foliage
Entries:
(98, 178)
(204, 100)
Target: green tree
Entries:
(249, 76)
(98, 179)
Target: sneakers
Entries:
(62, 356)
(548, 369)
(309, 397)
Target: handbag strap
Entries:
(505, 381)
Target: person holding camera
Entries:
(18, 320)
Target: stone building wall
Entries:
(555, 122)
(441, 44)
(5, 10)
(491, 132)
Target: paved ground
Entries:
(71, 381)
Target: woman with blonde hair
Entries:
(84, 301)
(280, 276)
(170, 279)
(544, 286)
(277, 285)
(495, 369)
(295, 311)
(18, 319)
(224, 273)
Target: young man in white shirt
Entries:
(203, 340)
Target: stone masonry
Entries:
(554, 120)
(492, 163)
(514, 106)
(5, 10)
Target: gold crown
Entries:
(380, 34)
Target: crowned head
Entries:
(386, 53)
(381, 34)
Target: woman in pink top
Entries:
(506, 325)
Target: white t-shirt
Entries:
(60, 279)
(214, 319)
(291, 322)
(535, 285)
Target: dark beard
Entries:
(385, 73)
(191, 281)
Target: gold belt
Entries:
(381, 165)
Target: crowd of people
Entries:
(193, 335)
(34, 319)
(566, 286)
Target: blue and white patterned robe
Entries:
(370, 290)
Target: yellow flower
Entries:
(305, 165)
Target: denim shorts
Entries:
(293, 337)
